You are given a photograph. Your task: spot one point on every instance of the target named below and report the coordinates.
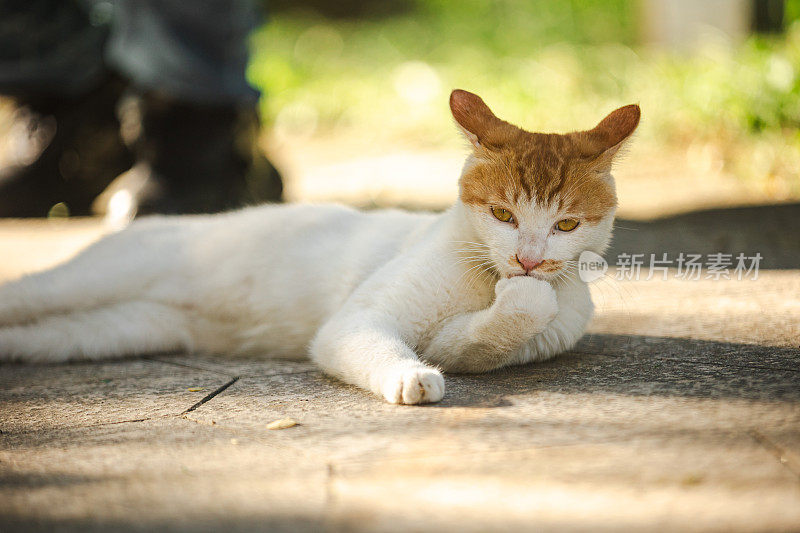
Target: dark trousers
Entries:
(191, 50)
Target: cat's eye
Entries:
(503, 215)
(568, 224)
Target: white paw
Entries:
(524, 296)
(414, 386)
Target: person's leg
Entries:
(49, 48)
(63, 143)
(194, 52)
(192, 114)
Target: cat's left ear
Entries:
(604, 141)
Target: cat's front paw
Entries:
(524, 295)
(413, 386)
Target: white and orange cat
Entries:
(385, 300)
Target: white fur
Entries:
(384, 300)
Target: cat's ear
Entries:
(477, 122)
(604, 140)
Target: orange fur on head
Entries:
(513, 165)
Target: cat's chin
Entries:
(534, 275)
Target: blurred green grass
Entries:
(549, 66)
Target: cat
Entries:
(385, 300)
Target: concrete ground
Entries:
(680, 410)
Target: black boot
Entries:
(189, 159)
(62, 150)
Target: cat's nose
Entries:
(528, 264)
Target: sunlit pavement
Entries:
(680, 411)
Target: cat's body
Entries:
(382, 299)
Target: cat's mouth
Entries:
(546, 271)
(532, 274)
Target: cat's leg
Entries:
(490, 338)
(365, 349)
(58, 290)
(116, 268)
(126, 328)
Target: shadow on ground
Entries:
(771, 230)
(636, 365)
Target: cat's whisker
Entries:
(472, 252)
(471, 249)
(484, 273)
(620, 288)
(484, 264)
(467, 275)
(474, 256)
(469, 263)
(471, 242)
(610, 281)
(471, 278)
(474, 271)
(562, 276)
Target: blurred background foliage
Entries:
(383, 71)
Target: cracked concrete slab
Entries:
(576, 398)
(161, 474)
(681, 484)
(729, 354)
(582, 442)
(43, 397)
(240, 366)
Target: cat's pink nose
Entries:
(528, 264)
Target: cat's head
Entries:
(537, 200)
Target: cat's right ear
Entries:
(477, 122)
(605, 139)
